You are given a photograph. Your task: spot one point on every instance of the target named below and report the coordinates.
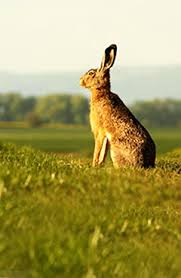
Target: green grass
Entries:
(68, 139)
(62, 218)
(78, 139)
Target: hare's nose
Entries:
(81, 82)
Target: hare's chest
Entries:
(96, 120)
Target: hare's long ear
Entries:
(109, 57)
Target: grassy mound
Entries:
(62, 218)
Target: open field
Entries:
(62, 218)
(77, 139)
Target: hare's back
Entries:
(130, 142)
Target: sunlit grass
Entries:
(62, 218)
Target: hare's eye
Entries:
(91, 72)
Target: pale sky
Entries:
(58, 35)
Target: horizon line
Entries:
(21, 72)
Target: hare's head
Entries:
(99, 78)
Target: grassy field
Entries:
(68, 139)
(62, 218)
(77, 139)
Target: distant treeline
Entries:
(74, 109)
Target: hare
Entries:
(112, 123)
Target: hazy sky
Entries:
(57, 35)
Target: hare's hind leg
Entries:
(118, 156)
(100, 150)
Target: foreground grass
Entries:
(76, 139)
(61, 218)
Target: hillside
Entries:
(132, 83)
(59, 217)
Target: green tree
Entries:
(10, 106)
(54, 108)
(80, 108)
(27, 106)
(33, 119)
(158, 113)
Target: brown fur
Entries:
(112, 123)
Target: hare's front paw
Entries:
(94, 163)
